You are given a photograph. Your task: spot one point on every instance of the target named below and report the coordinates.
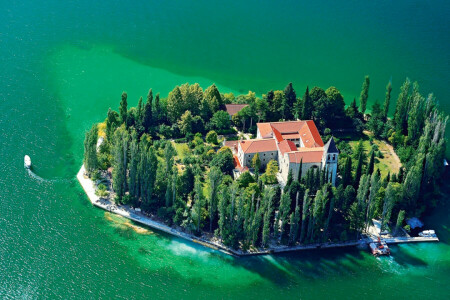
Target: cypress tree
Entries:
(347, 172)
(387, 101)
(148, 166)
(401, 108)
(299, 175)
(214, 180)
(120, 161)
(157, 114)
(358, 172)
(364, 94)
(90, 149)
(294, 221)
(291, 98)
(308, 106)
(198, 202)
(288, 181)
(400, 218)
(133, 165)
(305, 211)
(283, 212)
(168, 195)
(112, 122)
(147, 115)
(371, 165)
(123, 109)
(317, 179)
(375, 184)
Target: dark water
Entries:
(63, 63)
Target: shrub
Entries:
(211, 137)
(407, 228)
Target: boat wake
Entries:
(39, 178)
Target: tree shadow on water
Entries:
(283, 269)
(404, 257)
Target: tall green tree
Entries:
(120, 160)
(305, 214)
(186, 123)
(371, 165)
(123, 109)
(133, 166)
(364, 94)
(392, 196)
(347, 172)
(148, 170)
(416, 117)
(308, 106)
(214, 180)
(400, 219)
(169, 154)
(289, 103)
(401, 109)
(198, 203)
(213, 99)
(387, 101)
(157, 113)
(112, 122)
(358, 172)
(300, 170)
(283, 213)
(148, 112)
(175, 105)
(90, 149)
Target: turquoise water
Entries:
(64, 63)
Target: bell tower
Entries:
(330, 160)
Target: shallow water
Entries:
(63, 64)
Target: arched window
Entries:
(334, 156)
(329, 156)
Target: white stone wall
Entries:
(285, 166)
(265, 157)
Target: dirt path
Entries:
(394, 155)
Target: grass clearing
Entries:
(390, 161)
(182, 149)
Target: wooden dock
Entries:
(401, 240)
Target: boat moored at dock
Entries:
(379, 248)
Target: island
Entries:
(249, 175)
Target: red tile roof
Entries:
(254, 146)
(291, 136)
(233, 109)
(306, 130)
(286, 146)
(231, 144)
(236, 162)
(277, 134)
(310, 135)
(314, 155)
(288, 127)
(265, 129)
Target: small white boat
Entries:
(27, 162)
(427, 233)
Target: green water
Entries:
(64, 63)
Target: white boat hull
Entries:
(27, 162)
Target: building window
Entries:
(334, 156)
(329, 156)
(264, 159)
(264, 154)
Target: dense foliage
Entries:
(162, 163)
